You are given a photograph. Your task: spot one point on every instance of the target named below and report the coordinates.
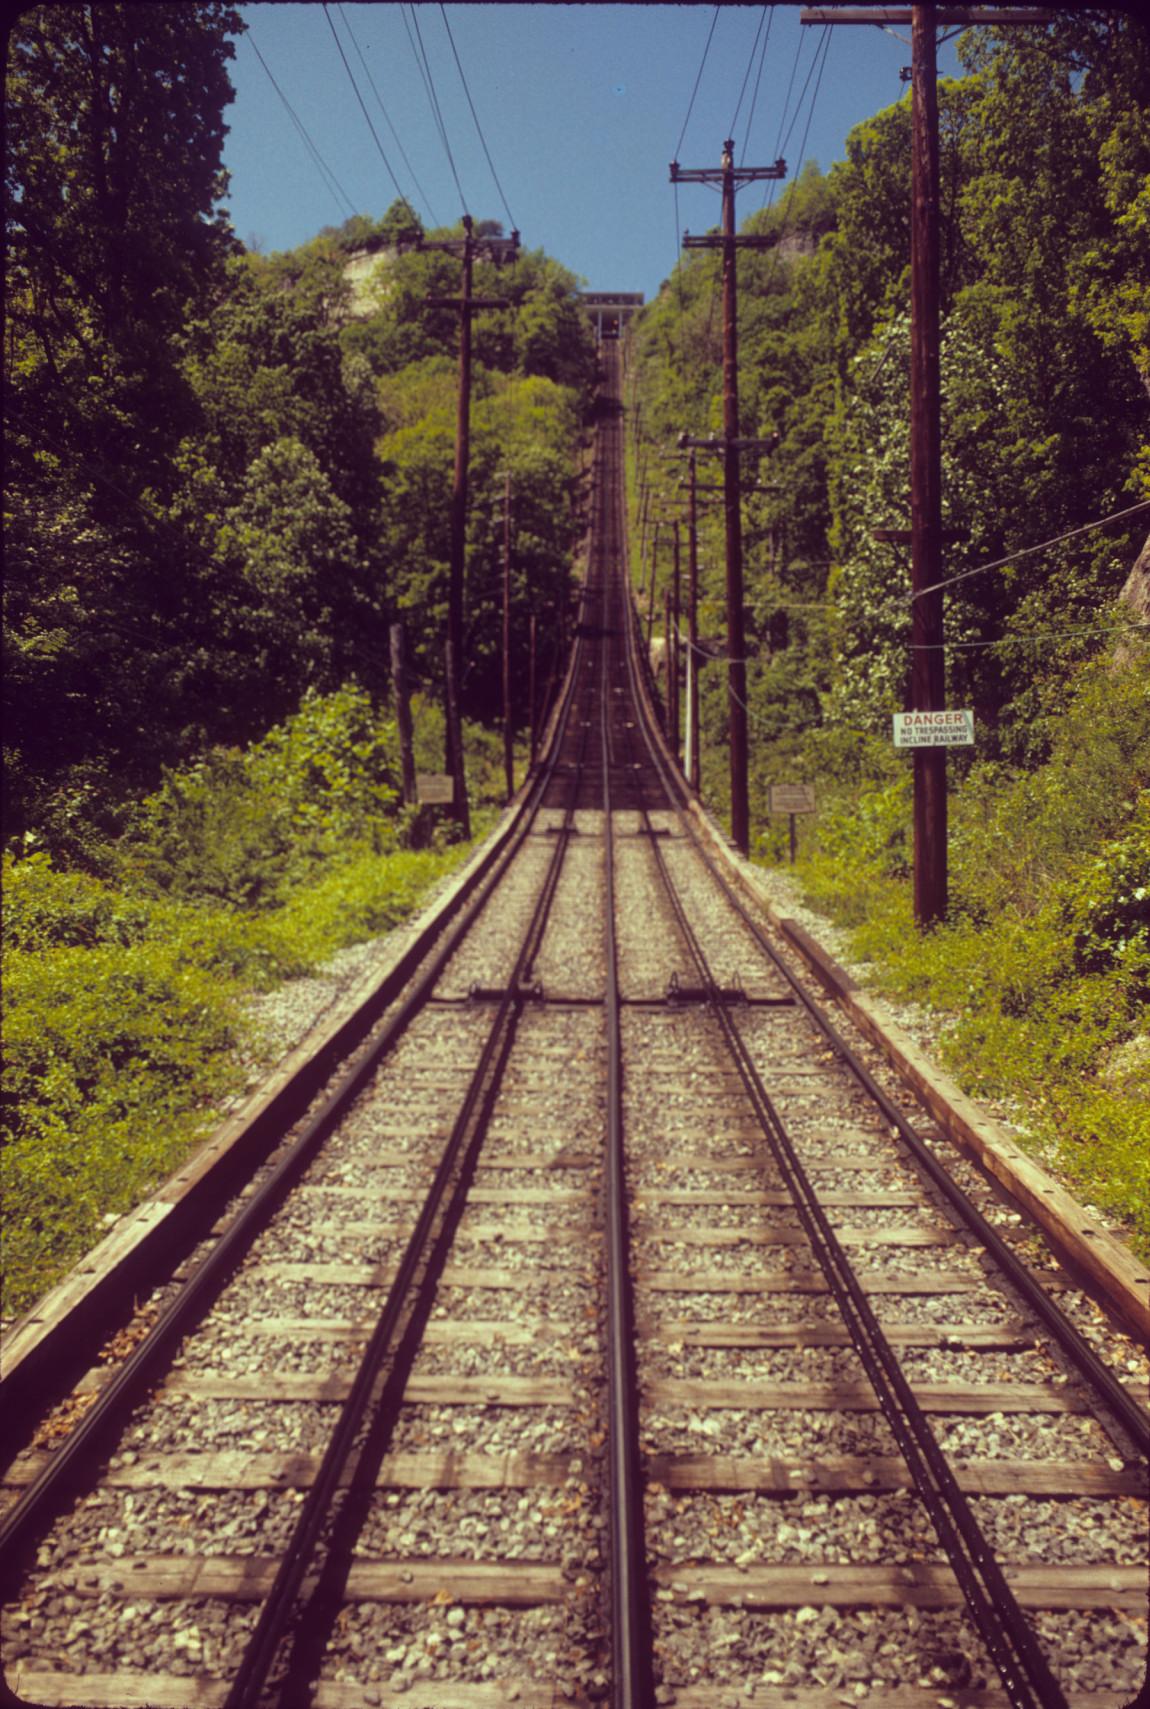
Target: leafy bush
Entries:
(1043, 966)
(113, 1054)
(46, 909)
(237, 826)
(124, 1000)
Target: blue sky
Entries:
(581, 106)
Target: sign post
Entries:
(791, 798)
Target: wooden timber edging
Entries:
(1112, 1270)
(48, 1347)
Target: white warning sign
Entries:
(950, 729)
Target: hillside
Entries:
(1040, 974)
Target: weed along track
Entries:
(615, 1335)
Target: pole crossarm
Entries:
(763, 240)
(944, 15)
(720, 443)
(739, 175)
(472, 303)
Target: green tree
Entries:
(114, 241)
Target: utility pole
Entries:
(402, 711)
(669, 696)
(508, 744)
(692, 628)
(673, 652)
(468, 248)
(651, 591)
(531, 690)
(928, 662)
(730, 178)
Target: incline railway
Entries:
(605, 1331)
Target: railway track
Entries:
(610, 1334)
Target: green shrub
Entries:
(113, 1054)
(237, 826)
(1042, 969)
(125, 999)
(47, 909)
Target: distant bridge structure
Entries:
(611, 310)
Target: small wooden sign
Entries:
(435, 788)
(791, 798)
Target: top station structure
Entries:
(611, 310)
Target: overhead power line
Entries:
(1119, 628)
(787, 96)
(1025, 551)
(758, 81)
(698, 80)
(329, 176)
(362, 107)
(475, 116)
(750, 67)
(822, 48)
(420, 191)
(424, 64)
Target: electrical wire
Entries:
(421, 192)
(698, 80)
(1025, 551)
(1030, 635)
(436, 119)
(429, 84)
(758, 81)
(475, 116)
(329, 176)
(789, 205)
(362, 107)
(787, 96)
(747, 72)
(678, 271)
(823, 49)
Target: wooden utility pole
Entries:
(651, 590)
(673, 651)
(508, 741)
(928, 659)
(730, 178)
(531, 689)
(928, 666)
(469, 248)
(692, 628)
(669, 694)
(402, 711)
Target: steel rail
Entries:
(1109, 1392)
(408, 1301)
(69, 1469)
(1025, 1673)
(632, 1676)
(1021, 1663)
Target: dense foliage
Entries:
(1042, 966)
(1045, 156)
(125, 994)
(228, 472)
(227, 475)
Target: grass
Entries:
(1041, 973)
(126, 987)
(118, 1052)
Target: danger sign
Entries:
(951, 729)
